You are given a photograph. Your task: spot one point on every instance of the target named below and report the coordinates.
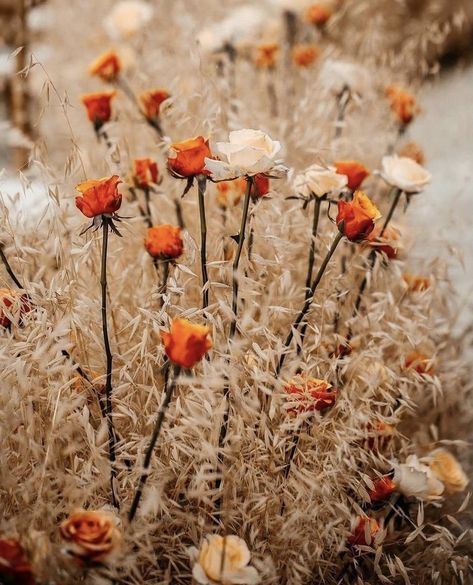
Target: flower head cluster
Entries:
(307, 395)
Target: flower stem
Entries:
(202, 184)
(342, 108)
(9, 268)
(149, 215)
(164, 282)
(179, 214)
(169, 386)
(308, 302)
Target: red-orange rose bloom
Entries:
(383, 487)
(305, 55)
(365, 532)
(99, 106)
(403, 103)
(356, 218)
(14, 565)
(309, 395)
(145, 172)
(151, 101)
(99, 196)
(318, 14)
(354, 171)
(418, 362)
(186, 344)
(266, 55)
(261, 187)
(187, 158)
(8, 299)
(107, 66)
(164, 242)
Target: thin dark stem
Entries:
(391, 211)
(179, 214)
(9, 268)
(149, 215)
(109, 365)
(169, 386)
(342, 108)
(309, 300)
(164, 282)
(202, 184)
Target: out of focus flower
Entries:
(405, 174)
(188, 158)
(447, 469)
(355, 219)
(261, 186)
(127, 18)
(416, 283)
(248, 152)
(355, 172)
(319, 13)
(15, 302)
(107, 67)
(14, 565)
(319, 181)
(164, 242)
(266, 55)
(338, 76)
(91, 536)
(230, 193)
(414, 479)
(414, 151)
(388, 243)
(99, 107)
(186, 344)
(151, 101)
(403, 103)
(223, 561)
(305, 55)
(364, 532)
(307, 395)
(99, 196)
(383, 487)
(379, 434)
(145, 172)
(418, 362)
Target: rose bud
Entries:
(416, 283)
(145, 172)
(91, 536)
(187, 158)
(318, 14)
(383, 487)
(355, 172)
(99, 196)
(414, 151)
(151, 101)
(305, 55)
(309, 395)
(365, 531)
(356, 218)
(419, 362)
(99, 107)
(261, 187)
(403, 103)
(164, 242)
(230, 193)
(14, 565)
(186, 344)
(386, 244)
(107, 67)
(266, 55)
(15, 302)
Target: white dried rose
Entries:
(414, 479)
(336, 76)
(319, 181)
(247, 153)
(447, 469)
(405, 174)
(223, 561)
(127, 18)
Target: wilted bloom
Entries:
(386, 243)
(15, 302)
(405, 174)
(355, 172)
(414, 479)
(416, 283)
(305, 55)
(223, 560)
(91, 536)
(188, 158)
(364, 532)
(145, 172)
(164, 242)
(266, 55)
(186, 343)
(14, 565)
(318, 14)
(127, 18)
(307, 395)
(419, 362)
(356, 218)
(447, 469)
(99, 106)
(151, 101)
(383, 487)
(248, 152)
(403, 103)
(107, 66)
(414, 151)
(319, 181)
(99, 196)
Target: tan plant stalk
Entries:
(202, 185)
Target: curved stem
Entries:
(8, 268)
(202, 184)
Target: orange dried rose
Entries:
(91, 536)
(414, 151)
(383, 487)
(230, 193)
(419, 362)
(164, 242)
(99, 196)
(10, 299)
(309, 395)
(145, 172)
(356, 218)
(304, 55)
(186, 344)
(266, 55)
(355, 172)
(187, 158)
(386, 243)
(14, 565)
(416, 283)
(364, 532)
(107, 66)
(318, 14)
(151, 101)
(403, 103)
(99, 106)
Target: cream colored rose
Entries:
(447, 469)
(248, 152)
(209, 568)
(405, 174)
(127, 18)
(414, 479)
(319, 181)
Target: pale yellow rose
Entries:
(447, 469)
